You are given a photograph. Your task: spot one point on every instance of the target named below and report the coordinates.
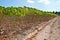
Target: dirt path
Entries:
(55, 30)
(51, 32)
(44, 34)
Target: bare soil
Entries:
(11, 24)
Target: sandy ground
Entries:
(45, 33)
(55, 30)
(51, 32)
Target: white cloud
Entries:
(58, 1)
(46, 2)
(30, 1)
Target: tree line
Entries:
(23, 11)
(58, 13)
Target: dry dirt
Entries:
(55, 30)
(11, 26)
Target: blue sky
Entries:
(46, 5)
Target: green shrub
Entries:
(23, 11)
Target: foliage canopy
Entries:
(23, 11)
